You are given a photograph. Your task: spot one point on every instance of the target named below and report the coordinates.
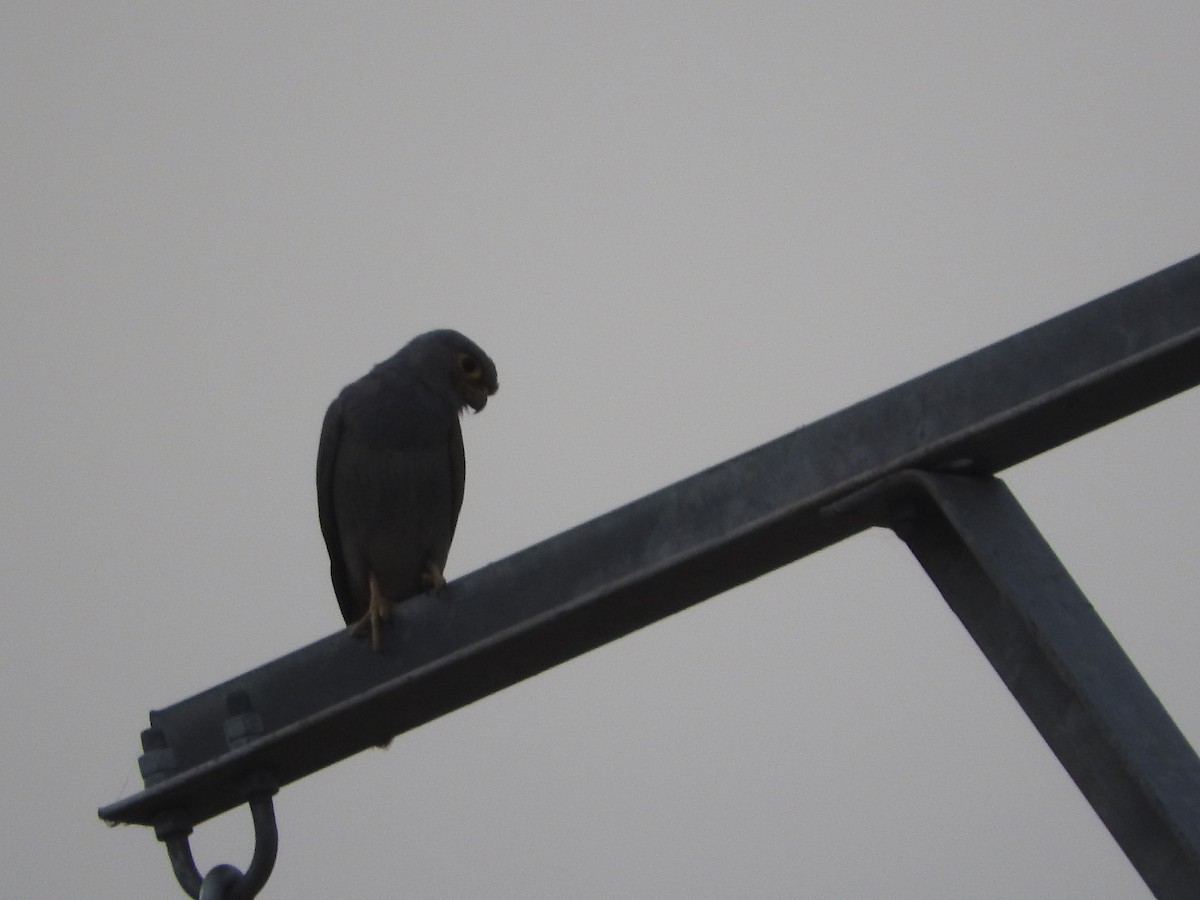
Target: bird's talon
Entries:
(433, 578)
(360, 628)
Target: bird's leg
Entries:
(432, 576)
(379, 610)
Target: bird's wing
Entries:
(458, 471)
(327, 450)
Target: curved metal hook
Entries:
(179, 851)
(266, 847)
(225, 882)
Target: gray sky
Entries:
(680, 230)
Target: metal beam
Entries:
(1060, 662)
(672, 548)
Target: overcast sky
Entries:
(680, 230)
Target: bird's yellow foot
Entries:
(379, 610)
(432, 577)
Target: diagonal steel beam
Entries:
(1060, 662)
(672, 548)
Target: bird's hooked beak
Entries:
(477, 396)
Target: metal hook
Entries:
(225, 882)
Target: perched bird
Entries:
(390, 471)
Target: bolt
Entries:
(157, 763)
(243, 724)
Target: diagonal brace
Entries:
(1061, 663)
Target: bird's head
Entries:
(458, 363)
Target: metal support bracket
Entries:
(174, 827)
(742, 518)
(1059, 660)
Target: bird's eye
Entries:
(469, 366)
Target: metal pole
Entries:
(1064, 667)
